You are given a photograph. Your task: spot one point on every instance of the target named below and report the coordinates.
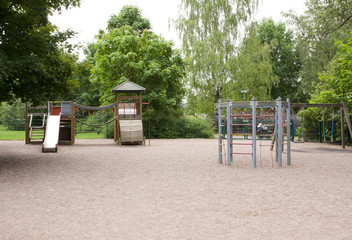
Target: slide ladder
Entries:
(36, 133)
(52, 133)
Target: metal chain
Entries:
(96, 125)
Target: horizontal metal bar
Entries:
(241, 134)
(306, 105)
(242, 153)
(241, 144)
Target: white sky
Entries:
(94, 14)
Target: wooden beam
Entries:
(26, 122)
(72, 123)
(38, 107)
(140, 105)
(128, 97)
(116, 124)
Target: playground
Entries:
(174, 189)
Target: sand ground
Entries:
(174, 189)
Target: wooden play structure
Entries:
(54, 123)
(128, 123)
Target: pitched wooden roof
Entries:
(128, 87)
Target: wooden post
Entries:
(116, 125)
(26, 122)
(342, 128)
(140, 105)
(72, 123)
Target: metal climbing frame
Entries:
(280, 108)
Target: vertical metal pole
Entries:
(332, 130)
(279, 132)
(303, 127)
(229, 131)
(288, 132)
(254, 130)
(342, 128)
(276, 135)
(220, 133)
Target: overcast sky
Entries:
(94, 14)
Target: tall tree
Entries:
(208, 29)
(126, 52)
(33, 64)
(336, 82)
(252, 69)
(285, 59)
(322, 23)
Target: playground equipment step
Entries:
(37, 128)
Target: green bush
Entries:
(199, 128)
(95, 119)
(12, 115)
(172, 124)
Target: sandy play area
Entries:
(174, 189)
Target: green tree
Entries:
(142, 57)
(285, 59)
(208, 29)
(33, 64)
(83, 92)
(322, 23)
(12, 115)
(129, 16)
(336, 82)
(252, 69)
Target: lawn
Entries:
(6, 134)
(11, 135)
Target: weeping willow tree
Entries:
(209, 29)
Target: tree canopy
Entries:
(208, 30)
(251, 69)
(33, 63)
(322, 23)
(285, 59)
(336, 82)
(126, 52)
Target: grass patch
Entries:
(6, 134)
(11, 135)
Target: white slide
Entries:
(51, 133)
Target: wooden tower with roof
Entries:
(128, 128)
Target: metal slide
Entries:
(52, 133)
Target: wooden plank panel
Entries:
(131, 131)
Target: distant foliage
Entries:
(12, 115)
(336, 82)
